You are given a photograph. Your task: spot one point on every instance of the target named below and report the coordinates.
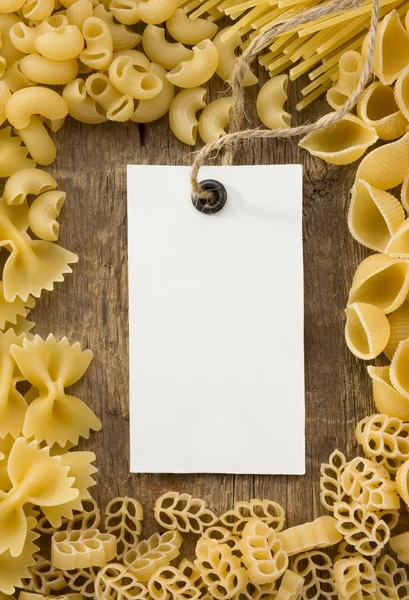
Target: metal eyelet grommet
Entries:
(216, 202)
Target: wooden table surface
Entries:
(91, 307)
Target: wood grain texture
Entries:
(91, 306)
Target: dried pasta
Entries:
(117, 106)
(114, 582)
(320, 533)
(183, 513)
(369, 485)
(168, 583)
(386, 166)
(155, 11)
(188, 31)
(355, 578)
(384, 440)
(82, 549)
(366, 331)
(317, 571)
(83, 581)
(400, 545)
(198, 69)
(366, 531)
(392, 49)
(43, 213)
(166, 54)
(44, 578)
(399, 329)
(99, 45)
(398, 368)
(392, 581)
(378, 107)
(388, 401)
(227, 57)
(27, 182)
(220, 569)
(182, 114)
(38, 141)
(82, 107)
(330, 481)
(13, 405)
(38, 100)
(402, 482)
(131, 74)
(123, 518)
(291, 586)
(15, 569)
(214, 119)
(267, 511)
(147, 556)
(262, 552)
(270, 103)
(13, 156)
(401, 91)
(351, 64)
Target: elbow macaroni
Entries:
(227, 57)
(99, 44)
(155, 11)
(153, 109)
(132, 75)
(122, 37)
(27, 182)
(167, 54)
(185, 30)
(43, 214)
(270, 101)
(46, 71)
(81, 106)
(198, 69)
(118, 107)
(214, 119)
(60, 45)
(34, 101)
(182, 114)
(38, 141)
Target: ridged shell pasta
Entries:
(366, 331)
(399, 369)
(399, 329)
(392, 49)
(387, 166)
(404, 193)
(342, 144)
(387, 400)
(377, 107)
(374, 216)
(398, 245)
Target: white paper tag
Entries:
(216, 322)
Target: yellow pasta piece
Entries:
(382, 281)
(388, 401)
(270, 103)
(369, 485)
(88, 517)
(263, 553)
(123, 38)
(167, 54)
(399, 329)
(43, 213)
(316, 569)
(117, 106)
(82, 549)
(401, 92)
(8, 51)
(404, 194)
(385, 440)
(366, 330)
(11, 312)
(223, 536)
(23, 37)
(44, 578)
(14, 569)
(221, 571)
(123, 518)
(187, 31)
(61, 45)
(38, 141)
(13, 156)
(214, 119)
(398, 245)
(392, 581)
(125, 11)
(37, 10)
(330, 481)
(99, 44)
(82, 107)
(83, 581)
(198, 69)
(355, 578)
(351, 65)
(400, 545)
(155, 108)
(148, 555)
(386, 167)
(131, 74)
(27, 182)
(392, 49)
(377, 107)
(402, 482)
(155, 11)
(182, 114)
(320, 533)
(267, 511)
(374, 216)
(183, 513)
(399, 367)
(228, 58)
(343, 143)
(79, 12)
(13, 406)
(34, 101)
(168, 583)
(366, 531)
(46, 71)
(114, 581)
(4, 97)
(291, 586)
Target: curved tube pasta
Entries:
(61, 45)
(118, 107)
(159, 50)
(82, 107)
(366, 331)
(99, 44)
(377, 107)
(392, 49)
(214, 118)
(4, 97)
(51, 72)
(38, 141)
(3, 66)
(187, 31)
(342, 144)
(14, 78)
(27, 182)
(387, 166)
(79, 12)
(374, 216)
(198, 69)
(399, 329)
(387, 400)
(401, 92)
(153, 109)
(155, 11)
(182, 114)
(382, 281)
(131, 75)
(9, 6)
(8, 51)
(43, 213)
(270, 101)
(351, 65)
(122, 37)
(23, 37)
(34, 101)
(125, 11)
(37, 10)
(227, 57)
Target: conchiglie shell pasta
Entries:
(399, 329)
(399, 369)
(402, 482)
(182, 114)
(270, 102)
(387, 166)
(388, 401)
(392, 49)
(377, 107)
(185, 30)
(366, 330)
(214, 119)
(401, 92)
(398, 245)
(198, 69)
(382, 281)
(342, 144)
(404, 193)
(374, 216)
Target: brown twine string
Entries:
(237, 135)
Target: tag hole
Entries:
(216, 202)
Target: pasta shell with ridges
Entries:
(402, 482)
(399, 369)
(382, 281)
(388, 401)
(398, 245)
(374, 216)
(387, 166)
(378, 108)
(366, 330)
(399, 329)
(401, 92)
(404, 193)
(392, 49)
(342, 144)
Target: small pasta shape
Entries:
(13, 406)
(374, 216)
(385, 440)
(369, 485)
(114, 581)
(351, 65)
(15, 569)
(14, 78)
(262, 552)
(320, 533)
(4, 96)
(342, 144)
(392, 49)
(388, 401)
(84, 581)
(222, 536)
(401, 93)
(81, 106)
(123, 38)
(43, 213)
(168, 583)
(61, 45)
(37, 10)
(382, 281)
(185, 30)
(182, 114)
(117, 106)
(399, 329)
(267, 511)
(82, 549)
(270, 101)
(132, 75)
(155, 11)
(398, 245)
(153, 109)
(228, 58)
(10, 312)
(221, 571)
(27, 102)
(399, 372)
(330, 481)
(198, 69)
(8, 51)
(404, 194)
(400, 545)
(79, 12)
(183, 513)
(366, 531)
(291, 586)
(13, 157)
(27, 182)
(387, 166)
(377, 107)
(402, 482)
(318, 574)
(366, 330)
(123, 518)
(355, 578)
(9, 6)
(167, 54)
(99, 44)
(23, 37)
(392, 581)
(38, 141)
(151, 554)
(50, 72)
(125, 11)
(214, 119)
